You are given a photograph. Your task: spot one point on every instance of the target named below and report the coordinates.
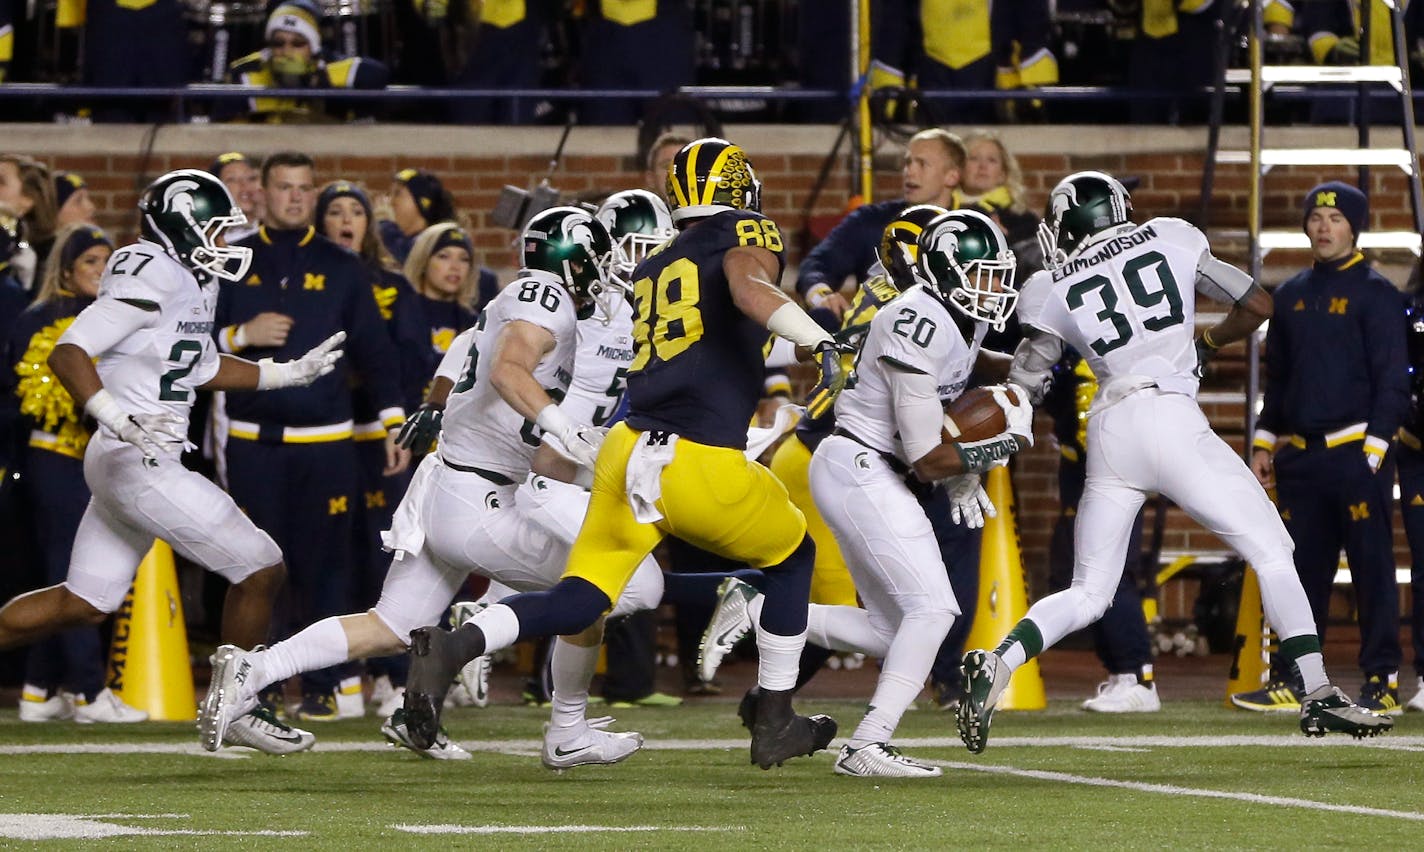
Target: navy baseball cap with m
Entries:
(1351, 203)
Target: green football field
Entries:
(1193, 776)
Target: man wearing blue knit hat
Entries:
(1336, 392)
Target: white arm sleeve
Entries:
(1033, 362)
(918, 413)
(1220, 281)
(101, 326)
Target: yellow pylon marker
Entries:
(1250, 661)
(1003, 593)
(148, 661)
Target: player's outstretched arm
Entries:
(1245, 316)
(239, 374)
(1032, 367)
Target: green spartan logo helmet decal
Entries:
(1081, 205)
(184, 212)
(570, 243)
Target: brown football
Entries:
(974, 416)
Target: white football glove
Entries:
(156, 435)
(299, 373)
(1018, 417)
(578, 443)
(969, 503)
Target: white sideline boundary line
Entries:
(1176, 791)
(1387, 742)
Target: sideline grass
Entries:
(694, 788)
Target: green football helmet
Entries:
(965, 260)
(1081, 205)
(184, 212)
(638, 221)
(709, 176)
(571, 244)
(900, 243)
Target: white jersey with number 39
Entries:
(1127, 303)
(480, 429)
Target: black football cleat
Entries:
(747, 707)
(434, 662)
(779, 734)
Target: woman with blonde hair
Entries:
(27, 188)
(64, 674)
(441, 267)
(992, 182)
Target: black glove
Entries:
(833, 377)
(421, 428)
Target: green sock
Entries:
(1022, 644)
(1303, 654)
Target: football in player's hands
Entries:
(982, 414)
(974, 416)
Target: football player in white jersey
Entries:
(638, 221)
(917, 357)
(150, 331)
(497, 388)
(1123, 295)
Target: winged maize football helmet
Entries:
(900, 243)
(709, 176)
(185, 212)
(638, 221)
(965, 260)
(573, 245)
(1081, 205)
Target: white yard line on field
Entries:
(1176, 791)
(554, 829)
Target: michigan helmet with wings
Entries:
(900, 243)
(1081, 205)
(709, 176)
(965, 260)
(571, 244)
(184, 212)
(638, 221)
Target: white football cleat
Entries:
(593, 746)
(882, 760)
(106, 708)
(474, 677)
(730, 621)
(1121, 693)
(444, 749)
(34, 707)
(224, 703)
(263, 731)
(1416, 703)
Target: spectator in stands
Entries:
(291, 461)
(242, 179)
(417, 200)
(502, 49)
(1333, 30)
(1410, 456)
(343, 214)
(646, 45)
(1336, 392)
(934, 162)
(294, 59)
(992, 179)
(26, 188)
(964, 44)
(134, 45)
(64, 673)
(13, 297)
(71, 195)
(1120, 638)
(441, 267)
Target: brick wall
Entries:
(1168, 162)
